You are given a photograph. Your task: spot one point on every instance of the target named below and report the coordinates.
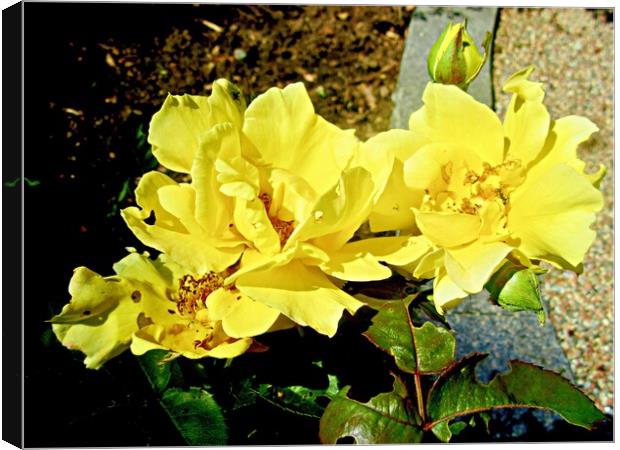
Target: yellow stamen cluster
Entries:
(494, 183)
(282, 227)
(193, 292)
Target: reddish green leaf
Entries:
(386, 418)
(436, 347)
(392, 330)
(458, 392)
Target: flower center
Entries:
(282, 227)
(466, 191)
(193, 292)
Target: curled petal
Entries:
(180, 237)
(175, 130)
(304, 294)
(101, 317)
(283, 127)
(552, 216)
(450, 116)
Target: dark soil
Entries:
(94, 75)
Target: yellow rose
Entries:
(158, 305)
(275, 183)
(474, 191)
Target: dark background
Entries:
(66, 225)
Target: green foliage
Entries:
(194, 412)
(295, 385)
(393, 331)
(515, 288)
(436, 347)
(196, 415)
(27, 182)
(386, 418)
(457, 392)
(158, 371)
(296, 399)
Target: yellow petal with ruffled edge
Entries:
(100, 318)
(304, 294)
(168, 234)
(253, 260)
(176, 128)
(214, 210)
(291, 196)
(448, 229)
(561, 147)
(180, 340)
(352, 266)
(253, 223)
(552, 216)
(282, 125)
(428, 264)
(525, 89)
(526, 124)
(360, 260)
(450, 116)
(392, 210)
(377, 158)
(471, 266)
(237, 177)
(339, 212)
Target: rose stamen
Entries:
(284, 228)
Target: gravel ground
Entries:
(573, 52)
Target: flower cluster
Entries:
(475, 192)
(262, 235)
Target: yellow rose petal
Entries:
(303, 294)
(450, 116)
(282, 125)
(448, 229)
(552, 216)
(471, 266)
(175, 130)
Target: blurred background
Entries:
(96, 73)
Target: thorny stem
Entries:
(418, 394)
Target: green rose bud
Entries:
(454, 58)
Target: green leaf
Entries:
(297, 399)
(196, 415)
(457, 392)
(515, 288)
(445, 430)
(15, 182)
(436, 347)
(124, 191)
(387, 418)
(392, 330)
(158, 370)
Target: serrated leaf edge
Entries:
(405, 302)
(481, 356)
